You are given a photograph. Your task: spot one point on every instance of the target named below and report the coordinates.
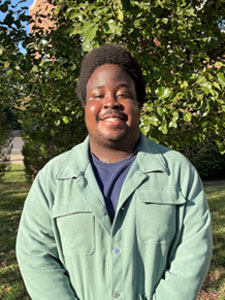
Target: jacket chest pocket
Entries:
(76, 227)
(157, 214)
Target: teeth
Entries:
(113, 119)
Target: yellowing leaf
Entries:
(120, 15)
(1, 51)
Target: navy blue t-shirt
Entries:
(110, 177)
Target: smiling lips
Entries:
(113, 117)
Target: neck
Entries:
(112, 153)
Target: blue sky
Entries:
(14, 2)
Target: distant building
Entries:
(41, 7)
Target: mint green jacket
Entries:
(158, 247)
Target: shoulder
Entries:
(169, 155)
(67, 163)
(179, 169)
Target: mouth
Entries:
(114, 117)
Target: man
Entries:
(117, 217)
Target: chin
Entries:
(114, 138)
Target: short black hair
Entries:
(110, 54)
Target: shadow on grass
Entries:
(13, 200)
(8, 231)
(12, 286)
(215, 193)
(13, 191)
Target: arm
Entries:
(189, 260)
(37, 255)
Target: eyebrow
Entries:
(98, 87)
(120, 85)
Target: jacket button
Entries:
(116, 251)
(116, 295)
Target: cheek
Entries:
(135, 113)
(94, 109)
(91, 110)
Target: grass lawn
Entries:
(214, 286)
(13, 191)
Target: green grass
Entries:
(13, 191)
(214, 285)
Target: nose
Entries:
(110, 101)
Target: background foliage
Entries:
(181, 52)
(5, 145)
(182, 58)
(11, 33)
(52, 117)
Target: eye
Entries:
(122, 95)
(98, 97)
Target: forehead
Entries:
(109, 74)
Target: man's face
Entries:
(111, 112)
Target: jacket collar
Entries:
(149, 159)
(76, 162)
(150, 156)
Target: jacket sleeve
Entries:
(190, 258)
(37, 255)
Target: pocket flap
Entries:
(167, 195)
(69, 207)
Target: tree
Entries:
(180, 51)
(5, 145)
(51, 115)
(11, 33)
(182, 55)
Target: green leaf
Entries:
(187, 117)
(221, 78)
(112, 26)
(120, 15)
(153, 121)
(163, 128)
(65, 119)
(165, 20)
(173, 124)
(87, 45)
(163, 92)
(88, 30)
(35, 69)
(57, 122)
(160, 111)
(9, 19)
(217, 85)
(1, 50)
(4, 7)
(73, 13)
(175, 116)
(75, 30)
